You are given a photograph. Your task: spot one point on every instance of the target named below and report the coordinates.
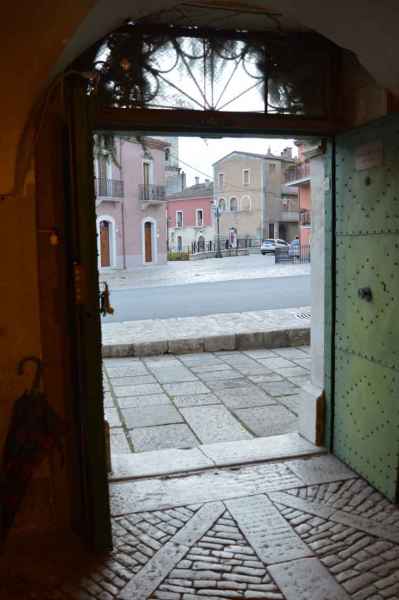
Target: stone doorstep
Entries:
(209, 456)
(251, 340)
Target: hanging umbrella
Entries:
(35, 430)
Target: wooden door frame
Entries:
(86, 117)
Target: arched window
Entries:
(233, 204)
(245, 203)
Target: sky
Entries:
(198, 154)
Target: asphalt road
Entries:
(209, 298)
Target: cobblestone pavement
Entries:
(184, 401)
(304, 529)
(182, 272)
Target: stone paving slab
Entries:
(212, 406)
(260, 449)
(227, 331)
(268, 420)
(307, 579)
(214, 424)
(177, 436)
(161, 462)
(269, 534)
(149, 416)
(217, 534)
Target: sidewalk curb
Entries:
(279, 338)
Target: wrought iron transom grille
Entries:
(165, 67)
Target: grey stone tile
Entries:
(268, 420)
(291, 353)
(293, 403)
(138, 380)
(211, 367)
(142, 389)
(225, 384)
(158, 462)
(174, 374)
(220, 375)
(272, 538)
(162, 361)
(119, 443)
(279, 388)
(138, 401)
(305, 349)
(195, 400)
(240, 361)
(188, 387)
(305, 363)
(244, 397)
(214, 423)
(293, 372)
(321, 469)
(260, 353)
(259, 449)
(265, 378)
(128, 370)
(253, 371)
(112, 416)
(164, 436)
(275, 363)
(148, 416)
(301, 381)
(307, 579)
(200, 359)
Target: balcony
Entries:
(305, 217)
(152, 194)
(289, 216)
(109, 189)
(298, 174)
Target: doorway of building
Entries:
(148, 241)
(105, 244)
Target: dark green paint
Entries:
(366, 374)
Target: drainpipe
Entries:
(122, 208)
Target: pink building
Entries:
(131, 204)
(190, 218)
(299, 176)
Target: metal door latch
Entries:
(365, 294)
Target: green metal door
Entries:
(366, 404)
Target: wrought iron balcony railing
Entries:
(297, 173)
(152, 194)
(109, 188)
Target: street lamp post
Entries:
(218, 253)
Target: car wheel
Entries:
(263, 253)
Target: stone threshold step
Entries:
(208, 456)
(279, 338)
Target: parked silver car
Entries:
(269, 246)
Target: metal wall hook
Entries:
(39, 369)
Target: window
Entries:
(179, 243)
(221, 180)
(148, 173)
(222, 204)
(272, 168)
(271, 230)
(245, 203)
(167, 154)
(179, 218)
(245, 177)
(233, 204)
(199, 217)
